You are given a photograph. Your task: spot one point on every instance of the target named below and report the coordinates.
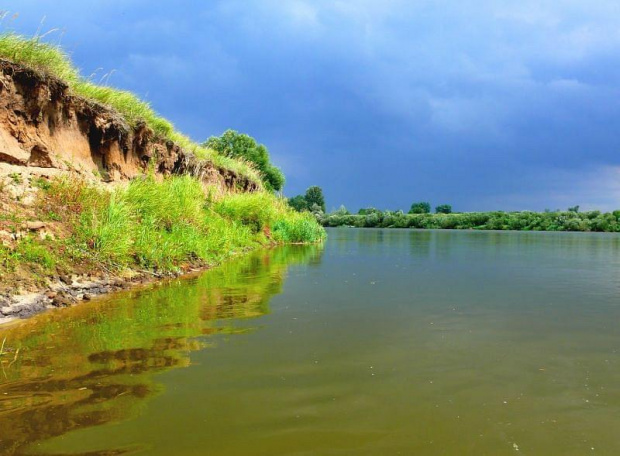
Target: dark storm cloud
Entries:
(481, 104)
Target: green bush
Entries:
(297, 228)
(420, 208)
(443, 209)
(238, 145)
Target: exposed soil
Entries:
(42, 125)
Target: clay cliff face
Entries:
(43, 126)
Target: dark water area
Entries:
(379, 342)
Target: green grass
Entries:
(52, 60)
(8, 259)
(163, 225)
(270, 215)
(34, 251)
(150, 224)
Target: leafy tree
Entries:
(420, 208)
(314, 195)
(443, 209)
(312, 201)
(573, 209)
(298, 203)
(239, 145)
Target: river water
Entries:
(380, 342)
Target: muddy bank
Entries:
(70, 290)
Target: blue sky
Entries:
(481, 104)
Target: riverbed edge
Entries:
(71, 290)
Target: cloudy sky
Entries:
(482, 104)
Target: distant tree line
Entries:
(419, 216)
(569, 220)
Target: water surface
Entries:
(382, 342)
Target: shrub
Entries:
(238, 145)
(443, 209)
(420, 208)
(297, 228)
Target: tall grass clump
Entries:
(270, 215)
(127, 104)
(105, 228)
(297, 228)
(52, 60)
(255, 210)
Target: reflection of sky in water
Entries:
(418, 342)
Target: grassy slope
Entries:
(153, 225)
(53, 61)
(149, 225)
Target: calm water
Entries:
(382, 342)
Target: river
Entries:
(380, 342)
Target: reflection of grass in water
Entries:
(93, 364)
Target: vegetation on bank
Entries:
(150, 225)
(420, 217)
(570, 220)
(51, 60)
(238, 145)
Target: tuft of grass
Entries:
(52, 60)
(16, 178)
(127, 104)
(35, 252)
(104, 229)
(39, 182)
(38, 55)
(8, 260)
(298, 228)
